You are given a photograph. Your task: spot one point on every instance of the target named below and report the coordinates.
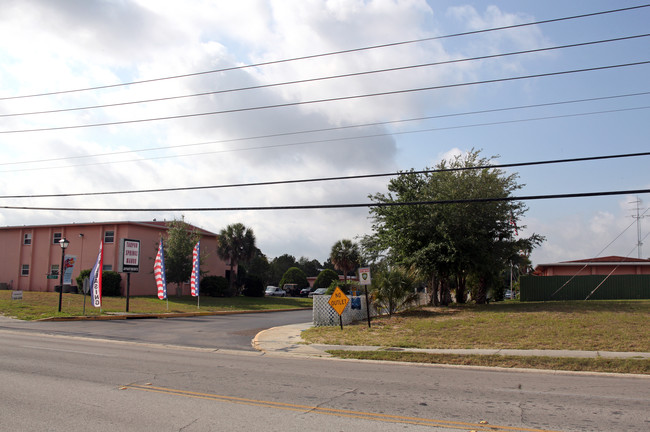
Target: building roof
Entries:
(611, 259)
(152, 224)
(608, 260)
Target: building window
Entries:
(109, 237)
(107, 267)
(56, 238)
(24, 270)
(54, 270)
(27, 239)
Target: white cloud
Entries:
(49, 45)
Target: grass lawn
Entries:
(579, 325)
(585, 325)
(38, 305)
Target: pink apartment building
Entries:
(30, 256)
(616, 265)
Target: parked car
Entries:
(274, 291)
(319, 291)
(291, 290)
(509, 294)
(305, 292)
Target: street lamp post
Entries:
(64, 244)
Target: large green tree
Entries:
(345, 256)
(279, 265)
(180, 241)
(456, 220)
(236, 244)
(294, 276)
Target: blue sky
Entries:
(50, 46)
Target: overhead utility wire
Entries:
(323, 179)
(335, 206)
(331, 77)
(336, 99)
(393, 44)
(597, 255)
(283, 134)
(328, 140)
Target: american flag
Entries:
(96, 278)
(194, 280)
(159, 272)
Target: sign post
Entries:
(129, 262)
(365, 280)
(339, 301)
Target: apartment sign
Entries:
(129, 256)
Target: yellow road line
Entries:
(337, 412)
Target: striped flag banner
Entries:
(95, 281)
(159, 272)
(194, 280)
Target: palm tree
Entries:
(236, 244)
(345, 256)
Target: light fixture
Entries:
(64, 243)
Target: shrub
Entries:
(215, 286)
(294, 276)
(325, 278)
(80, 279)
(253, 287)
(345, 287)
(111, 282)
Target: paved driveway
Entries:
(218, 331)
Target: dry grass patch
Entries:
(628, 366)
(590, 326)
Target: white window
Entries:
(54, 270)
(24, 270)
(109, 237)
(27, 239)
(56, 238)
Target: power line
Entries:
(339, 178)
(338, 206)
(329, 129)
(329, 140)
(331, 77)
(474, 32)
(336, 99)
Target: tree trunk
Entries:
(461, 289)
(481, 294)
(231, 279)
(433, 285)
(445, 295)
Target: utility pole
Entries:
(638, 218)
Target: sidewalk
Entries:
(286, 340)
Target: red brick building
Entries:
(30, 256)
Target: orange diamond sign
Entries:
(338, 301)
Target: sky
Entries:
(243, 103)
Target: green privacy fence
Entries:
(545, 288)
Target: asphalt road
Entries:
(218, 331)
(115, 375)
(62, 383)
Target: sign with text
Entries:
(68, 267)
(364, 276)
(338, 301)
(129, 256)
